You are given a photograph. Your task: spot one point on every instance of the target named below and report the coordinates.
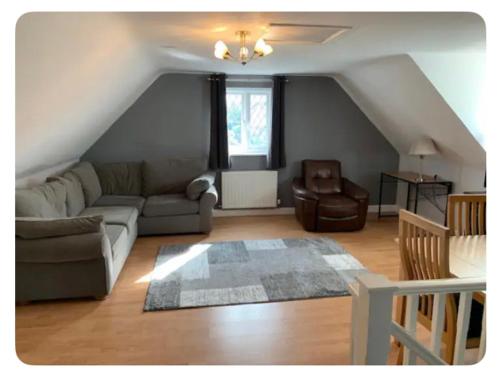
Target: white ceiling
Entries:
(184, 41)
(77, 72)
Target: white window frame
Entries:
(246, 118)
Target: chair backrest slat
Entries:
(467, 214)
(424, 252)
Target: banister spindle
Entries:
(437, 322)
(409, 357)
(463, 318)
(482, 342)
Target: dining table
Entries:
(468, 258)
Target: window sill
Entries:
(246, 155)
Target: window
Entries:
(248, 120)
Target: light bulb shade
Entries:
(221, 50)
(259, 46)
(262, 48)
(423, 146)
(268, 49)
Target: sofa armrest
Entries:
(199, 185)
(208, 201)
(354, 191)
(67, 248)
(301, 191)
(38, 228)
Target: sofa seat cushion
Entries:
(117, 236)
(115, 215)
(170, 205)
(337, 206)
(121, 200)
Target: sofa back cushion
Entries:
(120, 178)
(170, 176)
(322, 176)
(87, 176)
(47, 200)
(75, 200)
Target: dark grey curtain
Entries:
(276, 158)
(218, 157)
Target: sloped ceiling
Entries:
(77, 72)
(403, 103)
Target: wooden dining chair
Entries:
(466, 214)
(424, 251)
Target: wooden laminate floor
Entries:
(117, 331)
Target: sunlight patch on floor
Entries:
(174, 263)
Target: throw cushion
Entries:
(47, 200)
(33, 228)
(120, 178)
(170, 176)
(75, 200)
(199, 185)
(90, 182)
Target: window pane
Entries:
(234, 119)
(258, 133)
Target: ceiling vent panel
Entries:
(303, 33)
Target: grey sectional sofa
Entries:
(75, 232)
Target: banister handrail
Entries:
(372, 324)
(406, 287)
(453, 285)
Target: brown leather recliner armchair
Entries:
(324, 201)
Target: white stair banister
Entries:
(371, 318)
(372, 324)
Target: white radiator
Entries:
(249, 189)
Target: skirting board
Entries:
(288, 211)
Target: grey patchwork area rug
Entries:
(249, 271)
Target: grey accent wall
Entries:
(322, 122)
(171, 118)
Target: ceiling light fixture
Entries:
(260, 49)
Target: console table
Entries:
(410, 178)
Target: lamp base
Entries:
(420, 177)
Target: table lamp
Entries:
(423, 147)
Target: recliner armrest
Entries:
(354, 191)
(301, 191)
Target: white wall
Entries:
(75, 74)
(404, 105)
(40, 176)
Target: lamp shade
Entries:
(423, 146)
